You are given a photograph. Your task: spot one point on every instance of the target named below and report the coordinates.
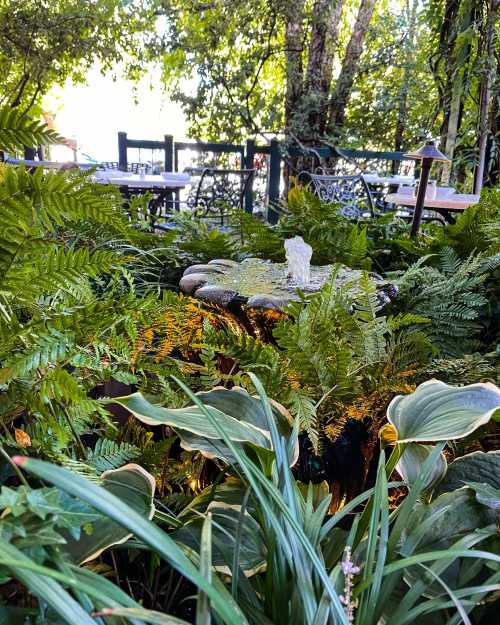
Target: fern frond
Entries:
(304, 408)
(17, 130)
(108, 454)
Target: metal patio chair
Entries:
(350, 192)
(218, 191)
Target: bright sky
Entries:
(94, 113)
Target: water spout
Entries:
(298, 255)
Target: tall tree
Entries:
(294, 48)
(343, 86)
(487, 70)
(408, 68)
(326, 16)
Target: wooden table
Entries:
(445, 206)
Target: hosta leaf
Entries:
(412, 460)
(438, 412)
(241, 416)
(226, 520)
(476, 467)
(486, 494)
(135, 487)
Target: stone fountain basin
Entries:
(259, 283)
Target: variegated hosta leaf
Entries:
(410, 465)
(133, 485)
(438, 412)
(241, 417)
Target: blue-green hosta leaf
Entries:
(410, 464)
(486, 494)
(241, 416)
(439, 525)
(480, 466)
(226, 522)
(438, 412)
(135, 487)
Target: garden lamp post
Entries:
(428, 153)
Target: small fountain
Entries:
(298, 255)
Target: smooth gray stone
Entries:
(266, 301)
(225, 262)
(193, 281)
(216, 295)
(202, 269)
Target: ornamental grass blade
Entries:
(43, 587)
(203, 602)
(267, 493)
(418, 589)
(145, 616)
(148, 532)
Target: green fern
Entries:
(304, 409)
(450, 296)
(17, 130)
(108, 454)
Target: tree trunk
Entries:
(324, 33)
(457, 84)
(408, 51)
(343, 87)
(440, 63)
(294, 44)
(485, 92)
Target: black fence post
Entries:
(169, 153)
(29, 153)
(122, 151)
(274, 181)
(249, 163)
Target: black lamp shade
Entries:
(429, 150)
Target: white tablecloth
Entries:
(389, 180)
(122, 179)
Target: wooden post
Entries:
(249, 163)
(422, 188)
(122, 151)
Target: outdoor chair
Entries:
(217, 191)
(350, 192)
(132, 168)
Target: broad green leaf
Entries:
(240, 415)
(410, 464)
(440, 524)
(135, 487)
(225, 521)
(476, 467)
(486, 494)
(438, 412)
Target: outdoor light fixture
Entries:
(428, 153)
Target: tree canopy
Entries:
(361, 73)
